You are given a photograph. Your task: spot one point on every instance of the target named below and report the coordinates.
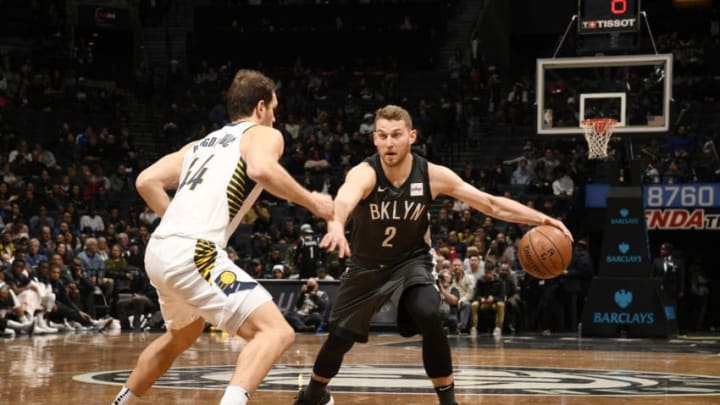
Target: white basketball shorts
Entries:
(196, 279)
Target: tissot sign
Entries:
(621, 24)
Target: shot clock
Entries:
(603, 16)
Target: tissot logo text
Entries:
(618, 23)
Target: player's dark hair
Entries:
(247, 89)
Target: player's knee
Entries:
(331, 355)
(337, 345)
(284, 336)
(179, 340)
(424, 314)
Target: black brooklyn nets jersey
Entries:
(390, 225)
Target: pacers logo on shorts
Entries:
(228, 282)
(225, 280)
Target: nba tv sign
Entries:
(683, 219)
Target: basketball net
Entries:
(597, 134)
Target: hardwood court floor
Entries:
(515, 370)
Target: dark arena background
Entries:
(92, 92)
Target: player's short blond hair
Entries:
(394, 113)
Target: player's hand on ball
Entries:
(560, 226)
(323, 206)
(335, 239)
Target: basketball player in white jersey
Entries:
(217, 179)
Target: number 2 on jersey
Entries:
(194, 178)
(390, 232)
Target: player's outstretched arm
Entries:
(162, 175)
(358, 183)
(445, 181)
(262, 147)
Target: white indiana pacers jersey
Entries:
(214, 192)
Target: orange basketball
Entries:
(544, 252)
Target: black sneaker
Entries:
(326, 399)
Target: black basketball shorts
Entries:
(363, 291)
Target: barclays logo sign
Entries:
(623, 298)
(624, 218)
(623, 248)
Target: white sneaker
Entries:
(7, 333)
(75, 325)
(40, 329)
(44, 324)
(497, 332)
(41, 326)
(61, 327)
(101, 324)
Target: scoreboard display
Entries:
(603, 16)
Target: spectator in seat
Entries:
(449, 298)
(34, 297)
(521, 175)
(129, 299)
(34, 256)
(563, 186)
(465, 285)
(513, 301)
(309, 307)
(65, 311)
(92, 222)
(489, 296)
(13, 319)
(94, 266)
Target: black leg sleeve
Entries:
(422, 303)
(329, 360)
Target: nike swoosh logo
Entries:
(381, 189)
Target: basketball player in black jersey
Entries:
(388, 197)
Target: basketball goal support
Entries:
(625, 299)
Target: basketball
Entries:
(544, 252)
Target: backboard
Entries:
(635, 90)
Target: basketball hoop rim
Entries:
(597, 134)
(598, 126)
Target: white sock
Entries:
(125, 397)
(235, 395)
